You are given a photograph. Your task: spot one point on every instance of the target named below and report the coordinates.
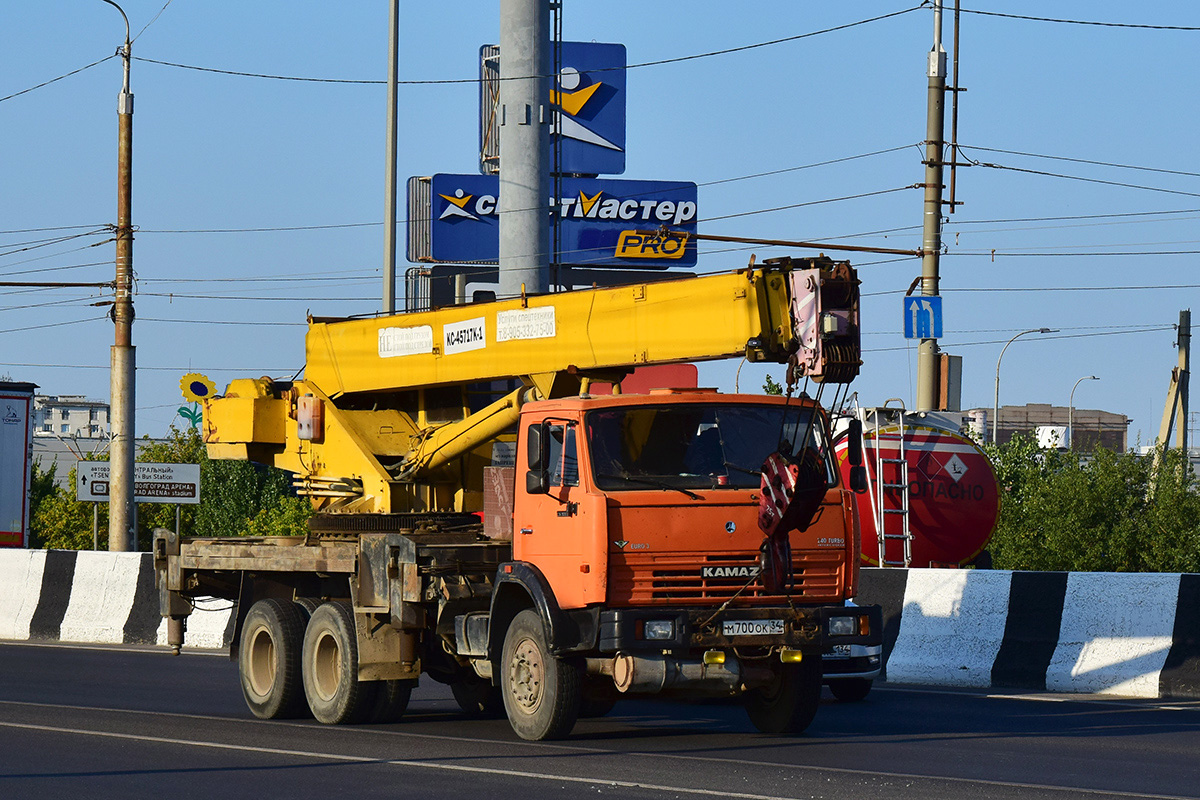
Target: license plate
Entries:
(839, 651)
(752, 627)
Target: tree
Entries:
(1103, 512)
(772, 386)
(60, 522)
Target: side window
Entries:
(564, 463)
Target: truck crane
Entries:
(482, 518)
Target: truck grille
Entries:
(679, 578)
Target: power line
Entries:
(808, 203)
(452, 81)
(1083, 161)
(1156, 329)
(59, 78)
(222, 322)
(152, 21)
(994, 254)
(1080, 178)
(948, 290)
(1080, 21)
(54, 228)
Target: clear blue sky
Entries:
(219, 152)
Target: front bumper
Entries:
(679, 631)
(852, 661)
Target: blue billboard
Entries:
(602, 222)
(587, 98)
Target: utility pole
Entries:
(931, 240)
(1177, 392)
(122, 512)
(389, 211)
(524, 146)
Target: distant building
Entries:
(1093, 428)
(69, 416)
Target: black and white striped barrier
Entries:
(1120, 633)
(96, 597)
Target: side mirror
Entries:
(537, 444)
(858, 479)
(854, 443)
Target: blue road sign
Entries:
(602, 221)
(922, 317)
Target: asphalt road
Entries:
(92, 722)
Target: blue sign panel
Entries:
(922, 317)
(588, 101)
(602, 222)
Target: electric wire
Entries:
(1082, 161)
(55, 80)
(1030, 18)
(452, 81)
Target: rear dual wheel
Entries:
(269, 659)
(330, 667)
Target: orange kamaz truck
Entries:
(484, 520)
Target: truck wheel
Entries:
(789, 703)
(478, 697)
(330, 667)
(391, 701)
(541, 692)
(269, 660)
(850, 690)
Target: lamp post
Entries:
(1071, 411)
(996, 404)
(122, 513)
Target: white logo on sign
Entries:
(405, 341)
(955, 468)
(459, 337)
(533, 323)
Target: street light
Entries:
(1071, 411)
(122, 512)
(996, 405)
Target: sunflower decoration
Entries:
(196, 388)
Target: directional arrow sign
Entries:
(152, 483)
(922, 317)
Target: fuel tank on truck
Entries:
(932, 498)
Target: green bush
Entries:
(1099, 512)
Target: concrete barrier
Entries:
(96, 597)
(1126, 634)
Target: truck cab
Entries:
(636, 538)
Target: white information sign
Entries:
(526, 323)
(459, 337)
(152, 483)
(412, 341)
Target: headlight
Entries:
(841, 626)
(660, 629)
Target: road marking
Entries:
(863, 773)
(510, 773)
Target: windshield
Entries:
(695, 446)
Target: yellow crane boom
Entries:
(383, 420)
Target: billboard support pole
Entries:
(524, 147)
